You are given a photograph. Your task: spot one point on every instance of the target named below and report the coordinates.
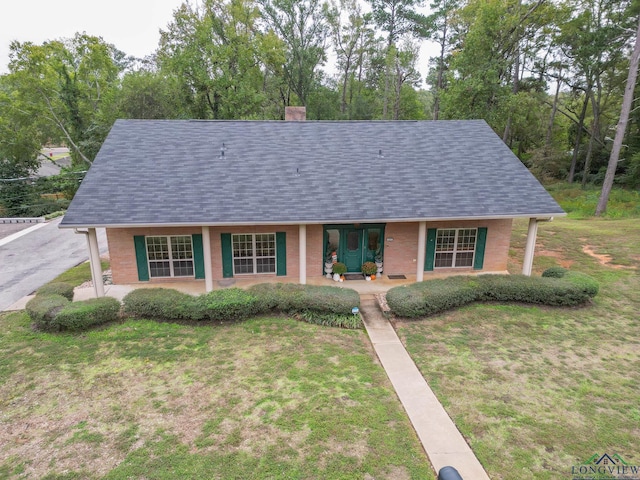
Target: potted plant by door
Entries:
(339, 269)
(368, 269)
(328, 266)
(379, 264)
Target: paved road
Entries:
(32, 260)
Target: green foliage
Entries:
(228, 304)
(434, 296)
(369, 268)
(57, 288)
(581, 202)
(555, 272)
(329, 305)
(87, 313)
(339, 268)
(159, 304)
(350, 321)
(42, 309)
(291, 298)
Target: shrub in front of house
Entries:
(42, 309)
(434, 296)
(57, 288)
(281, 297)
(87, 313)
(229, 304)
(159, 304)
(292, 298)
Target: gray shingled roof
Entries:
(172, 172)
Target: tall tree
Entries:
(303, 27)
(398, 19)
(441, 31)
(66, 82)
(220, 56)
(621, 129)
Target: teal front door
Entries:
(353, 250)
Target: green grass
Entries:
(78, 274)
(581, 203)
(536, 390)
(266, 398)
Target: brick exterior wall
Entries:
(123, 255)
(400, 254)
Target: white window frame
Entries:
(455, 250)
(171, 258)
(254, 257)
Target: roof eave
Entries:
(540, 216)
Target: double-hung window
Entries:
(455, 247)
(254, 253)
(170, 256)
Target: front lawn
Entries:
(537, 390)
(265, 398)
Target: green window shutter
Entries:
(227, 255)
(431, 250)
(281, 254)
(481, 242)
(141, 258)
(198, 255)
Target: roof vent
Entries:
(222, 150)
(380, 155)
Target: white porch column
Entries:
(302, 247)
(206, 250)
(527, 265)
(422, 250)
(94, 262)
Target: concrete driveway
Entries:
(37, 257)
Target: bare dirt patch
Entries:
(603, 258)
(564, 262)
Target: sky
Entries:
(133, 26)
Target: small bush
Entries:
(42, 310)
(339, 268)
(57, 288)
(84, 314)
(554, 272)
(229, 304)
(160, 304)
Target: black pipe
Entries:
(449, 473)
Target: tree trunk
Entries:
(554, 110)
(627, 101)
(440, 79)
(576, 147)
(595, 129)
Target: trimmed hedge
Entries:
(434, 296)
(159, 304)
(291, 298)
(42, 309)
(57, 288)
(86, 313)
(315, 304)
(229, 304)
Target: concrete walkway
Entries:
(442, 441)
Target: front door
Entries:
(353, 250)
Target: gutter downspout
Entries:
(94, 260)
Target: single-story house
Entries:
(211, 200)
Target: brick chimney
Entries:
(295, 114)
